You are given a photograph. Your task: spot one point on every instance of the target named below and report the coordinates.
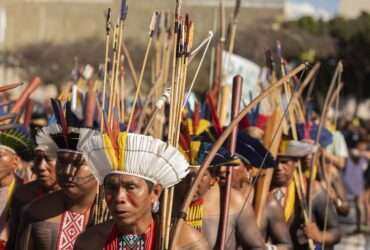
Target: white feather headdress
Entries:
(138, 155)
(50, 139)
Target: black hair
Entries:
(150, 185)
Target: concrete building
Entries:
(353, 8)
(24, 22)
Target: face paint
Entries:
(73, 175)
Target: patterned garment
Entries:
(131, 242)
(71, 226)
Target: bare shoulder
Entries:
(94, 237)
(191, 239)
(238, 201)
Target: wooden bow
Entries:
(220, 142)
(328, 101)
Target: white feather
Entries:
(94, 153)
(45, 142)
(145, 156)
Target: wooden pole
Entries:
(236, 99)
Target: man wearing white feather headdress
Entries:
(134, 169)
(55, 220)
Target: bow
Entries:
(220, 142)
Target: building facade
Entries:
(353, 8)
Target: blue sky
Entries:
(328, 5)
(324, 9)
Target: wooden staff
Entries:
(236, 98)
(114, 63)
(106, 60)
(31, 87)
(151, 29)
(218, 144)
(233, 26)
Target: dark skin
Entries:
(273, 225)
(283, 175)
(130, 200)
(42, 218)
(44, 169)
(240, 211)
(336, 190)
(239, 181)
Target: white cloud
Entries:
(296, 10)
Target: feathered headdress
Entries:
(70, 130)
(51, 139)
(200, 149)
(252, 152)
(136, 155)
(19, 141)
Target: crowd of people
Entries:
(98, 169)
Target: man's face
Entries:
(8, 163)
(240, 175)
(205, 183)
(129, 198)
(283, 173)
(44, 169)
(73, 175)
